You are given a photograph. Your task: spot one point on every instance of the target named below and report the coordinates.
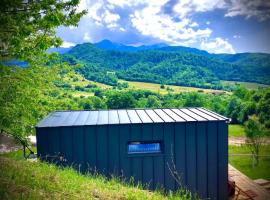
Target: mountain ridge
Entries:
(171, 65)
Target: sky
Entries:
(217, 26)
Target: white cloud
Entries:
(208, 22)
(217, 45)
(255, 8)
(150, 21)
(67, 44)
(237, 36)
(247, 8)
(194, 24)
(86, 37)
(187, 7)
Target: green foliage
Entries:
(27, 28)
(118, 100)
(255, 133)
(25, 96)
(153, 102)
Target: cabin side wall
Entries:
(198, 151)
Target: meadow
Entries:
(248, 85)
(155, 87)
(236, 130)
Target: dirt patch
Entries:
(238, 141)
(8, 144)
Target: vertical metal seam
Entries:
(84, 140)
(196, 156)
(207, 160)
(217, 161)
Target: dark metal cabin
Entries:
(144, 144)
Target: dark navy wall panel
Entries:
(78, 148)
(113, 150)
(147, 175)
(125, 164)
(66, 146)
(135, 161)
(90, 148)
(212, 160)
(222, 160)
(42, 142)
(54, 147)
(201, 159)
(158, 161)
(102, 149)
(180, 151)
(191, 164)
(169, 152)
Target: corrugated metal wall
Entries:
(197, 150)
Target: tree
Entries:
(255, 133)
(27, 28)
(153, 102)
(118, 100)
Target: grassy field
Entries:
(155, 87)
(236, 130)
(248, 85)
(75, 79)
(21, 179)
(244, 163)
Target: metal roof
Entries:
(128, 116)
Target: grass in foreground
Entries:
(236, 130)
(20, 179)
(244, 163)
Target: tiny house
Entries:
(155, 147)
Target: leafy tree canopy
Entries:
(27, 27)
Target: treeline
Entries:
(238, 106)
(169, 67)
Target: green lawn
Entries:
(155, 87)
(21, 179)
(248, 85)
(236, 130)
(244, 163)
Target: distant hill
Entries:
(168, 64)
(108, 45)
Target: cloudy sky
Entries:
(218, 26)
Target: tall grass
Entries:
(21, 179)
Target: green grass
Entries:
(248, 85)
(236, 130)
(155, 87)
(21, 179)
(244, 163)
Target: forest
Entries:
(167, 65)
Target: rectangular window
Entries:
(144, 147)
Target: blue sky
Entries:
(218, 26)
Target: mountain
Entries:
(108, 45)
(168, 64)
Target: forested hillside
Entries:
(105, 62)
